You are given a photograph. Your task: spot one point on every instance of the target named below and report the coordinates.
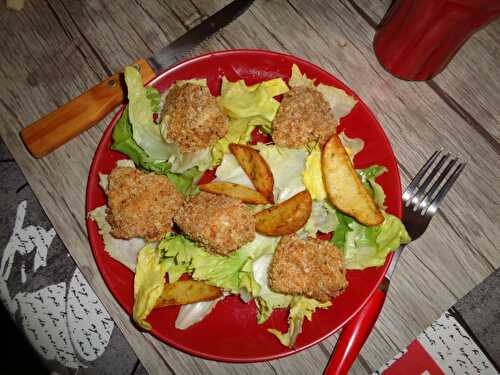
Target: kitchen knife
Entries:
(83, 112)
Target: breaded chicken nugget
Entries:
(140, 204)
(219, 223)
(303, 116)
(310, 267)
(192, 118)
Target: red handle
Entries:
(355, 333)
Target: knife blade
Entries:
(86, 110)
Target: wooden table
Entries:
(53, 50)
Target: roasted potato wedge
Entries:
(243, 193)
(256, 168)
(286, 217)
(344, 187)
(184, 292)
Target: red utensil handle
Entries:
(355, 333)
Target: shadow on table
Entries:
(18, 356)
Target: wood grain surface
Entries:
(54, 50)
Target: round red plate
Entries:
(230, 332)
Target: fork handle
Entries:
(355, 333)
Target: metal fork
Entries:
(421, 201)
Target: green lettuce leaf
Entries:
(265, 298)
(369, 246)
(186, 182)
(300, 308)
(144, 130)
(368, 176)
(323, 218)
(241, 101)
(183, 255)
(240, 131)
(247, 108)
(149, 281)
(154, 99)
(341, 230)
(123, 142)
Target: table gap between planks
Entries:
(54, 50)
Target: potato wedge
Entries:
(344, 187)
(184, 292)
(285, 218)
(256, 168)
(243, 193)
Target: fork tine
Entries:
(419, 196)
(433, 207)
(410, 190)
(429, 195)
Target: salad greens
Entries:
(369, 246)
(244, 272)
(145, 132)
(124, 143)
(247, 108)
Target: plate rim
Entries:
(93, 175)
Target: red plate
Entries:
(230, 332)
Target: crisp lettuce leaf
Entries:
(247, 108)
(201, 159)
(186, 183)
(353, 146)
(149, 282)
(368, 176)
(340, 232)
(369, 246)
(313, 175)
(323, 219)
(154, 99)
(144, 130)
(287, 165)
(340, 103)
(300, 308)
(241, 101)
(298, 79)
(123, 142)
(230, 171)
(266, 299)
(181, 254)
(365, 246)
(194, 313)
(123, 251)
(240, 131)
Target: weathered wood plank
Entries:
(472, 79)
(57, 49)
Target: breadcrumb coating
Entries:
(221, 224)
(140, 204)
(303, 117)
(192, 118)
(310, 267)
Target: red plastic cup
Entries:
(418, 38)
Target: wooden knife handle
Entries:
(79, 114)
